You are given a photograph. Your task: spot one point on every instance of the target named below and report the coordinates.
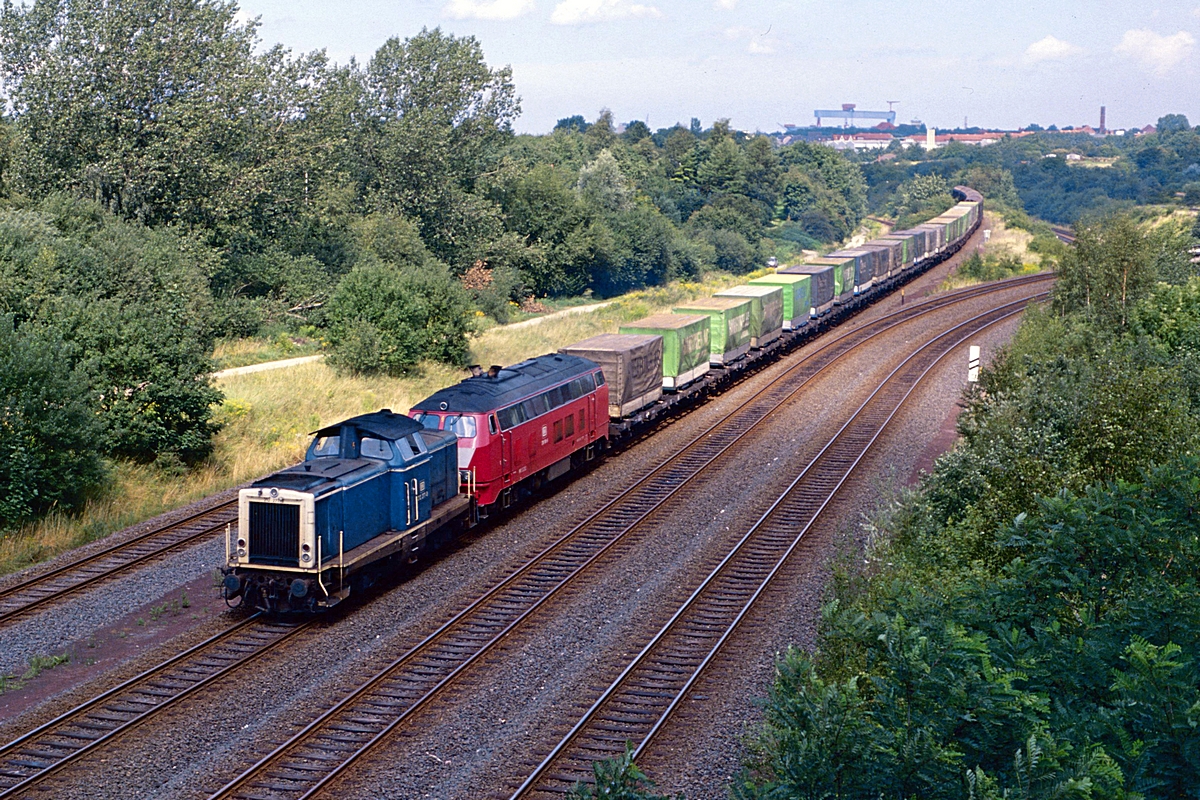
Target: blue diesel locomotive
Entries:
(372, 490)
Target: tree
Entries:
(50, 440)
(635, 131)
(133, 307)
(1172, 123)
(388, 318)
(436, 116)
(602, 184)
(155, 109)
(1106, 272)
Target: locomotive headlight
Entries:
(241, 542)
(306, 558)
(241, 552)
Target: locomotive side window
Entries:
(491, 423)
(418, 442)
(511, 417)
(376, 448)
(599, 378)
(327, 446)
(463, 426)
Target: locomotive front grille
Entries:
(274, 534)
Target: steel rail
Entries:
(44, 751)
(632, 716)
(316, 755)
(69, 578)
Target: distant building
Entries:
(1074, 157)
(860, 141)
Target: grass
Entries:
(1006, 254)
(259, 349)
(267, 418)
(37, 665)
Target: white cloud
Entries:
(488, 9)
(1051, 49)
(761, 47)
(1159, 54)
(579, 12)
(728, 5)
(737, 32)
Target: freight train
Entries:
(381, 490)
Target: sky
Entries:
(999, 63)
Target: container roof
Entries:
(748, 291)
(713, 304)
(668, 322)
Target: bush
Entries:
(384, 318)
(133, 308)
(50, 441)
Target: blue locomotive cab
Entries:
(370, 488)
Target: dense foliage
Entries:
(1029, 627)
(49, 439)
(132, 308)
(1116, 173)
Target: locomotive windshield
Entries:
(432, 422)
(462, 425)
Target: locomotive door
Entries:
(506, 456)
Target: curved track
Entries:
(47, 749)
(302, 766)
(637, 704)
(63, 581)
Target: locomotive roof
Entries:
(483, 393)
(383, 423)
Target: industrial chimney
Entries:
(1103, 131)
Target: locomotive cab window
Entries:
(327, 447)
(462, 425)
(431, 422)
(599, 378)
(492, 423)
(376, 448)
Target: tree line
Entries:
(166, 182)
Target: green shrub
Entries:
(384, 318)
(50, 441)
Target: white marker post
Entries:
(973, 365)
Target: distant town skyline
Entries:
(764, 64)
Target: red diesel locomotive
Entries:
(521, 426)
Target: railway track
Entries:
(63, 581)
(1063, 234)
(46, 750)
(637, 704)
(310, 760)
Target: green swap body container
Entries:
(766, 312)
(729, 331)
(936, 237)
(685, 345)
(632, 365)
(922, 243)
(843, 276)
(820, 286)
(796, 295)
